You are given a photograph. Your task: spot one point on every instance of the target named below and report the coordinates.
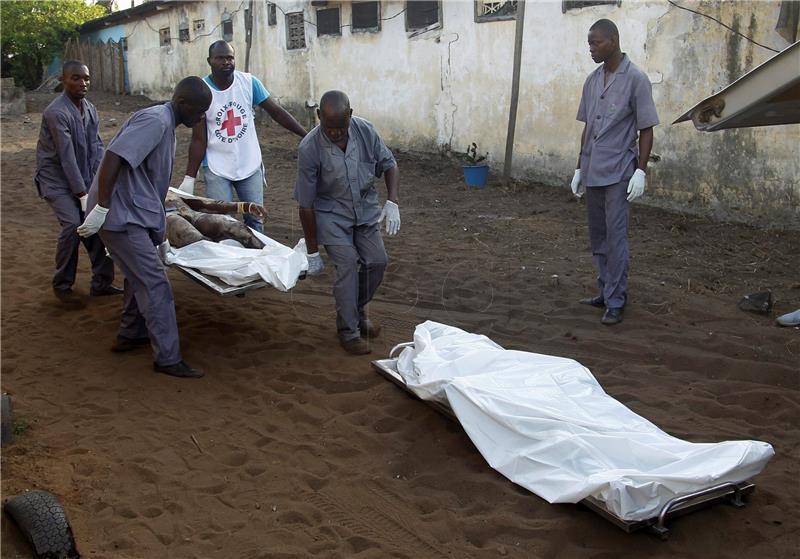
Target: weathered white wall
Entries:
(449, 87)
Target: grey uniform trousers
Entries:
(68, 213)
(148, 308)
(359, 272)
(607, 208)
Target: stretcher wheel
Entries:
(43, 522)
(7, 433)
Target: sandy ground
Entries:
(304, 451)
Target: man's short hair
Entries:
(606, 27)
(216, 44)
(336, 101)
(70, 64)
(192, 90)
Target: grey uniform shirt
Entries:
(69, 149)
(147, 144)
(614, 113)
(340, 186)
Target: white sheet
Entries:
(276, 264)
(545, 423)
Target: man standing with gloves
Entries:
(126, 204)
(616, 106)
(336, 168)
(67, 156)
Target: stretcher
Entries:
(731, 491)
(228, 269)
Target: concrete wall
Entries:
(451, 86)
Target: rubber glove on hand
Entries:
(83, 200)
(93, 222)
(187, 185)
(576, 186)
(636, 185)
(165, 253)
(315, 264)
(391, 213)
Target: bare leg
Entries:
(180, 232)
(218, 227)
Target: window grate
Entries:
(577, 4)
(487, 10)
(272, 14)
(295, 31)
(183, 34)
(164, 37)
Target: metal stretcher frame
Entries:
(732, 493)
(218, 286)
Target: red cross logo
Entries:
(230, 123)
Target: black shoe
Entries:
(356, 346)
(105, 291)
(368, 329)
(179, 369)
(597, 301)
(122, 344)
(612, 316)
(69, 298)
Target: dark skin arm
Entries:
(645, 146)
(309, 222)
(197, 148)
(107, 177)
(392, 179)
(583, 139)
(282, 117)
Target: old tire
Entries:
(43, 522)
(7, 433)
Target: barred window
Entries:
(183, 34)
(227, 28)
(164, 37)
(489, 10)
(295, 31)
(272, 14)
(366, 16)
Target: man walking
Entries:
(68, 153)
(336, 168)
(127, 201)
(227, 137)
(616, 107)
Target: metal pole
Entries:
(512, 113)
(248, 26)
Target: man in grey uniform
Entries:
(68, 153)
(336, 168)
(616, 106)
(127, 201)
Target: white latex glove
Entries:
(93, 222)
(576, 186)
(165, 253)
(315, 264)
(83, 200)
(187, 185)
(391, 213)
(636, 185)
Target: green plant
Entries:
(472, 157)
(20, 426)
(34, 32)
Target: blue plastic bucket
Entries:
(476, 175)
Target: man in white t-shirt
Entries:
(226, 140)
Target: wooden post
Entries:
(121, 69)
(512, 113)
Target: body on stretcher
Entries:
(227, 268)
(546, 424)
